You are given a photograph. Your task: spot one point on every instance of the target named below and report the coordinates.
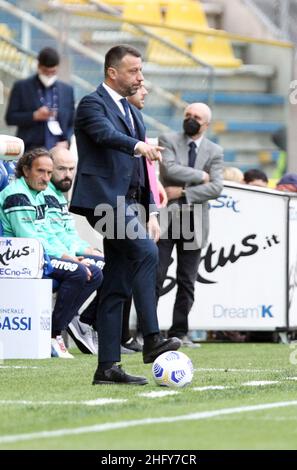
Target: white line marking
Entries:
(98, 401)
(143, 422)
(102, 401)
(19, 367)
(259, 383)
(211, 387)
(162, 393)
(202, 369)
(291, 378)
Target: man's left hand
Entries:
(162, 195)
(153, 228)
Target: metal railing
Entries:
(30, 20)
(63, 40)
(29, 58)
(26, 61)
(14, 59)
(103, 11)
(279, 16)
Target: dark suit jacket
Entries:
(106, 152)
(24, 100)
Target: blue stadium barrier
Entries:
(229, 156)
(269, 127)
(258, 99)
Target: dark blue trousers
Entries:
(186, 277)
(74, 289)
(130, 267)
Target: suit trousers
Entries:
(186, 276)
(130, 268)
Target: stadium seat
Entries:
(138, 13)
(161, 54)
(8, 53)
(122, 3)
(47, 270)
(5, 31)
(10, 168)
(188, 15)
(3, 176)
(142, 11)
(114, 3)
(215, 51)
(76, 2)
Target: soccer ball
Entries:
(173, 369)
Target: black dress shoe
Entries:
(154, 345)
(116, 375)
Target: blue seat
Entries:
(3, 184)
(3, 176)
(47, 270)
(10, 168)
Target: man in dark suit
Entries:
(112, 175)
(41, 106)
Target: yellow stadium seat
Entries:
(161, 54)
(76, 2)
(142, 11)
(187, 14)
(5, 31)
(9, 54)
(121, 3)
(215, 51)
(139, 12)
(117, 3)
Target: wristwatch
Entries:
(183, 191)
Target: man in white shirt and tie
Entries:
(191, 172)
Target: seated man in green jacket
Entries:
(63, 225)
(24, 213)
(61, 219)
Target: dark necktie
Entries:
(138, 178)
(127, 115)
(192, 154)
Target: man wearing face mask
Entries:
(41, 106)
(192, 173)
